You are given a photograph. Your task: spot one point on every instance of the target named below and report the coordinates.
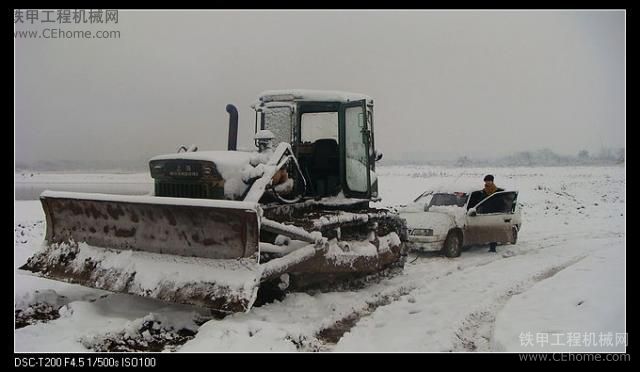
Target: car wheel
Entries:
(452, 245)
(514, 240)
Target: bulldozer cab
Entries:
(331, 134)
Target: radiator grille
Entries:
(183, 190)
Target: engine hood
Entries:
(221, 158)
(233, 166)
(438, 221)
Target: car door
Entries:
(492, 219)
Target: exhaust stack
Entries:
(233, 127)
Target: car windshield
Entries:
(445, 199)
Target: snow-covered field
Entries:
(28, 185)
(560, 288)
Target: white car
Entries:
(447, 221)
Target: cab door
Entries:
(354, 150)
(493, 219)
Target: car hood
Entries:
(438, 221)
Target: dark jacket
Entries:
(485, 194)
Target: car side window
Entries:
(498, 203)
(474, 199)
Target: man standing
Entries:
(490, 188)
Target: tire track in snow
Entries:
(438, 267)
(326, 337)
(463, 302)
(329, 336)
(477, 328)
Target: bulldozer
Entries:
(222, 227)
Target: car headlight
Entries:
(423, 232)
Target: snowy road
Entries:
(564, 276)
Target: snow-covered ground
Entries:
(28, 185)
(561, 287)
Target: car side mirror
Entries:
(472, 212)
(378, 155)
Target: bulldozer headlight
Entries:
(422, 232)
(157, 168)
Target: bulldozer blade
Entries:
(190, 251)
(216, 229)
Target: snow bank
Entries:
(153, 332)
(82, 323)
(46, 296)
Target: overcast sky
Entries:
(445, 83)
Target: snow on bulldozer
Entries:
(223, 226)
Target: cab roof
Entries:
(297, 95)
